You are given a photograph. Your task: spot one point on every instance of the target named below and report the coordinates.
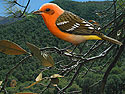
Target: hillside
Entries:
(8, 20)
(33, 30)
(1, 18)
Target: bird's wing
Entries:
(73, 24)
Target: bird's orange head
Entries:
(50, 12)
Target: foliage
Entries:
(33, 30)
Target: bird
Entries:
(69, 26)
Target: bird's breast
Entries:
(74, 39)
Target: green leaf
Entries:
(44, 58)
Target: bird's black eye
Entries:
(47, 9)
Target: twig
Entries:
(11, 70)
(103, 66)
(18, 4)
(107, 8)
(73, 78)
(116, 29)
(60, 90)
(104, 53)
(87, 70)
(45, 89)
(94, 47)
(71, 68)
(74, 92)
(96, 83)
(110, 67)
(120, 16)
(25, 9)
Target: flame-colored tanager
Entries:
(68, 26)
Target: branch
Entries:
(61, 52)
(103, 66)
(74, 92)
(107, 8)
(18, 4)
(73, 78)
(103, 54)
(25, 8)
(93, 47)
(116, 29)
(88, 69)
(11, 70)
(71, 68)
(110, 67)
(45, 89)
(59, 90)
(96, 83)
(120, 16)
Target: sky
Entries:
(34, 4)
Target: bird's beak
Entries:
(38, 12)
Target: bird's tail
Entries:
(104, 37)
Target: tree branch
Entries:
(25, 8)
(110, 67)
(11, 70)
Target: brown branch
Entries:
(61, 52)
(103, 66)
(94, 47)
(116, 29)
(73, 78)
(110, 67)
(18, 4)
(96, 83)
(71, 68)
(45, 89)
(60, 90)
(74, 92)
(88, 69)
(107, 8)
(103, 54)
(120, 16)
(24, 9)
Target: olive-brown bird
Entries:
(68, 26)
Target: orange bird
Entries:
(68, 26)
